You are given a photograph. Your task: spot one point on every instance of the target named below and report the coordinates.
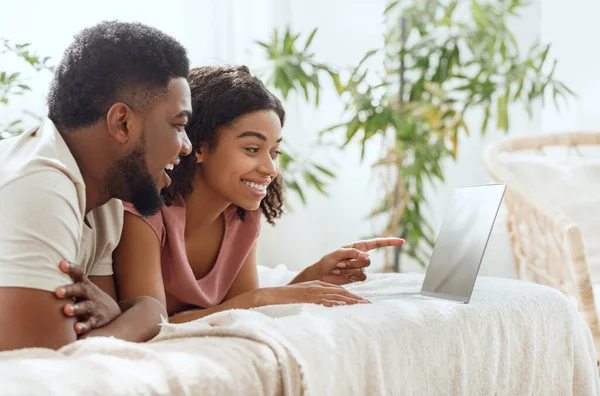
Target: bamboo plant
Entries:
(444, 59)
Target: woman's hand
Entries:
(315, 292)
(92, 306)
(347, 264)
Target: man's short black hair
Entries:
(113, 62)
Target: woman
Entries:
(200, 250)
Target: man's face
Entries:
(162, 141)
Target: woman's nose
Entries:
(186, 146)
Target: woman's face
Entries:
(245, 159)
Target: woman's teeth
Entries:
(169, 167)
(257, 187)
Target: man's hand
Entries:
(92, 306)
(347, 264)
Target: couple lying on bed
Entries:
(127, 128)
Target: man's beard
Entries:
(129, 180)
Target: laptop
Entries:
(461, 243)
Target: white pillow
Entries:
(571, 185)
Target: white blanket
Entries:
(514, 338)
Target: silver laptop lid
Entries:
(461, 242)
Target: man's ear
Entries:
(122, 123)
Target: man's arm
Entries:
(139, 280)
(40, 225)
(33, 318)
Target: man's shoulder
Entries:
(112, 212)
(41, 224)
(108, 219)
(37, 150)
(42, 194)
(39, 180)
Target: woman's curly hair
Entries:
(221, 94)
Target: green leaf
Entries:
(543, 58)
(566, 89)
(555, 94)
(352, 127)
(533, 92)
(478, 14)
(325, 171)
(283, 82)
(336, 81)
(311, 179)
(455, 141)
(332, 128)
(13, 77)
(285, 159)
(293, 185)
(390, 7)
(275, 38)
(486, 118)
(310, 39)
(265, 45)
(372, 125)
(503, 112)
(442, 70)
(365, 57)
(304, 86)
(289, 41)
(517, 94)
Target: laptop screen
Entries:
(461, 242)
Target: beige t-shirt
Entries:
(42, 209)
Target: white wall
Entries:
(573, 29)
(218, 32)
(304, 236)
(224, 31)
(347, 29)
(50, 25)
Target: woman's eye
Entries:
(275, 154)
(252, 150)
(181, 127)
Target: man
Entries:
(117, 108)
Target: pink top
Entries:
(181, 286)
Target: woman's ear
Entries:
(199, 155)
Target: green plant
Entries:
(14, 84)
(444, 59)
(294, 69)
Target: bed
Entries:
(514, 338)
